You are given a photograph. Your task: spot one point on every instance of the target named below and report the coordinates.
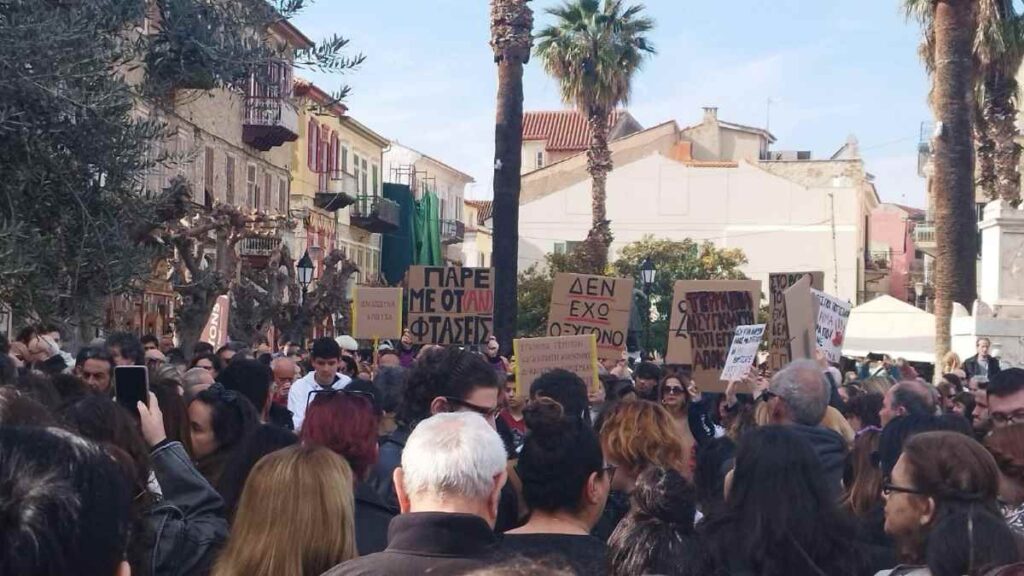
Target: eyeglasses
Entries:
(888, 489)
(1000, 419)
(328, 393)
(673, 390)
(486, 412)
(609, 470)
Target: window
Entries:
(344, 157)
(282, 195)
(366, 177)
(251, 190)
(357, 171)
(566, 247)
(268, 190)
(229, 180)
(208, 179)
(540, 159)
(376, 180)
(312, 138)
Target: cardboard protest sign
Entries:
(779, 353)
(801, 312)
(215, 333)
(535, 356)
(830, 327)
(743, 352)
(705, 313)
(599, 305)
(450, 305)
(376, 312)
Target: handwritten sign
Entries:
(451, 305)
(377, 312)
(801, 311)
(597, 305)
(743, 352)
(779, 352)
(536, 356)
(830, 328)
(705, 313)
(215, 333)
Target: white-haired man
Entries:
(449, 485)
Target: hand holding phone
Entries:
(131, 386)
(152, 420)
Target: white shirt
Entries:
(298, 395)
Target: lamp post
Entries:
(648, 273)
(304, 269)
(919, 294)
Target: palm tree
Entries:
(594, 49)
(949, 31)
(511, 28)
(999, 49)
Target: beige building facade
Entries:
(707, 182)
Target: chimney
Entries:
(711, 114)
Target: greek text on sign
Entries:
(830, 327)
(377, 312)
(779, 339)
(743, 352)
(451, 305)
(537, 356)
(598, 305)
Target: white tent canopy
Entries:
(886, 325)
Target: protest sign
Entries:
(376, 313)
(830, 327)
(779, 353)
(743, 352)
(450, 305)
(215, 333)
(801, 312)
(535, 356)
(598, 305)
(704, 315)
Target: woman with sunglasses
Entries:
(940, 507)
(565, 484)
(346, 422)
(675, 395)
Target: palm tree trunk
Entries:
(1000, 117)
(511, 27)
(955, 221)
(599, 164)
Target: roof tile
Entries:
(564, 130)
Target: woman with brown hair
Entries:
(636, 435)
(296, 516)
(675, 396)
(940, 508)
(1006, 445)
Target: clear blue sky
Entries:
(831, 67)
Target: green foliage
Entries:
(206, 44)
(675, 260)
(594, 49)
(74, 215)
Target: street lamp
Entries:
(304, 268)
(919, 293)
(648, 273)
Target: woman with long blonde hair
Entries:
(296, 516)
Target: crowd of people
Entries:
(257, 460)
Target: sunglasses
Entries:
(673, 390)
(489, 413)
(329, 393)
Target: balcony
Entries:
(271, 117)
(924, 237)
(336, 190)
(257, 250)
(877, 265)
(452, 231)
(375, 214)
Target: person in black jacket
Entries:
(798, 397)
(346, 422)
(178, 529)
(449, 485)
(981, 365)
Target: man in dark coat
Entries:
(981, 365)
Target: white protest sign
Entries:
(743, 352)
(830, 326)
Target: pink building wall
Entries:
(890, 228)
